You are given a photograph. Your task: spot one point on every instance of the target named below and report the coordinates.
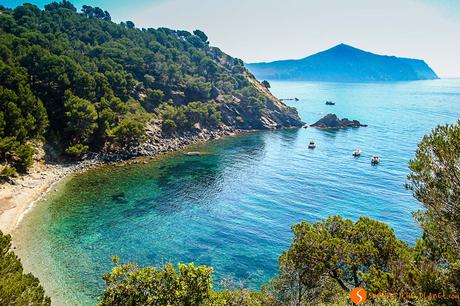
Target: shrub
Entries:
(128, 284)
(266, 84)
(168, 126)
(17, 288)
(153, 100)
(174, 113)
(6, 171)
(204, 113)
(23, 157)
(76, 151)
(129, 133)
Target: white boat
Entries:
(312, 145)
(375, 160)
(356, 153)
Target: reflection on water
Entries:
(232, 209)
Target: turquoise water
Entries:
(233, 208)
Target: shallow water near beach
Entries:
(232, 209)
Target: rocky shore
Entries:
(157, 143)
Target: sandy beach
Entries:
(16, 200)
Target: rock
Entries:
(331, 121)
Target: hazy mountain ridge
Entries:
(344, 63)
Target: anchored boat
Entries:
(375, 160)
(356, 153)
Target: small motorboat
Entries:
(330, 103)
(356, 153)
(375, 160)
(312, 145)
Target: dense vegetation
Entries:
(17, 288)
(84, 83)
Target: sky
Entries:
(267, 30)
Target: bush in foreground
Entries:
(128, 284)
(17, 288)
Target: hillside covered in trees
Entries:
(84, 83)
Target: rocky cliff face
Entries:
(274, 115)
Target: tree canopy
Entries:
(434, 179)
(129, 284)
(17, 288)
(76, 76)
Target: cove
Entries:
(232, 209)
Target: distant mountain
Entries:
(344, 63)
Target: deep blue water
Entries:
(233, 208)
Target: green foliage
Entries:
(81, 119)
(17, 288)
(197, 89)
(434, 179)
(129, 133)
(128, 284)
(22, 118)
(76, 151)
(173, 114)
(86, 70)
(6, 172)
(23, 157)
(7, 147)
(206, 115)
(153, 99)
(22, 115)
(340, 254)
(241, 297)
(266, 84)
(201, 35)
(169, 126)
(15, 154)
(130, 24)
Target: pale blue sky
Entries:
(265, 30)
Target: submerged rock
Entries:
(331, 121)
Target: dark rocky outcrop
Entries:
(331, 121)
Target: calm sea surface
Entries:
(233, 208)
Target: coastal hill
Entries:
(344, 63)
(86, 84)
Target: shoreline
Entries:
(17, 200)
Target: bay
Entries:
(232, 209)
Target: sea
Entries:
(233, 208)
